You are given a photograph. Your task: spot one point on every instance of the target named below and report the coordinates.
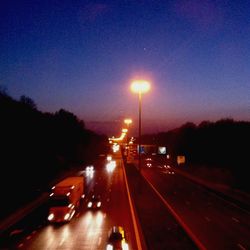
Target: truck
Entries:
(65, 199)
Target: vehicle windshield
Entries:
(95, 198)
(59, 202)
(115, 236)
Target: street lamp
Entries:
(140, 87)
(127, 122)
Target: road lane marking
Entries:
(99, 241)
(178, 218)
(34, 232)
(16, 231)
(137, 235)
(28, 237)
(61, 242)
(202, 187)
(241, 247)
(20, 245)
(236, 220)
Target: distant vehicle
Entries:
(110, 166)
(149, 162)
(109, 158)
(89, 171)
(168, 169)
(65, 199)
(117, 239)
(94, 202)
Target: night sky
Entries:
(82, 55)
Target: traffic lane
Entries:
(31, 232)
(117, 206)
(88, 229)
(161, 230)
(217, 223)
(230, 218)
(111, 187)
(214, 211)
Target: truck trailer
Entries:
(65, 199)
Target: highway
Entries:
(87, 230)
(217, 223)
(199, 219)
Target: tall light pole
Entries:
(127, 122)
(140, 87)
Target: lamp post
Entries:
(127, 122)
(140, 87)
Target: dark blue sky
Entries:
(82, 56)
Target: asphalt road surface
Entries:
(87, 230)
(217, 223)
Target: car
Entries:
(94, 202)
(117, 239)
(89, 170)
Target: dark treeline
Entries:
(36, 146)
(222, 144)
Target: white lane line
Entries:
(16, 231)
(61, 242)
(99, 241)
(241, 247)
(34, 232)
(178, 218)
(137, 235)
(236, 220)
(20, 245)
(28, 237)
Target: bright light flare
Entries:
(111, 166)
(128, 121)
(125, 246)
(99, 219)
(109, 247)
(116, 148)
(66, 217)
(51, 217)
(90, 171)
(140, 86)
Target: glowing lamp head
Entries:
(140, 86)
(127, 121)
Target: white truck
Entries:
(65, 199)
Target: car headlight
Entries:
(109, 247)
(51, 217)
(90, 204)
(66, 217)
(124, 246)
(99, 204)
